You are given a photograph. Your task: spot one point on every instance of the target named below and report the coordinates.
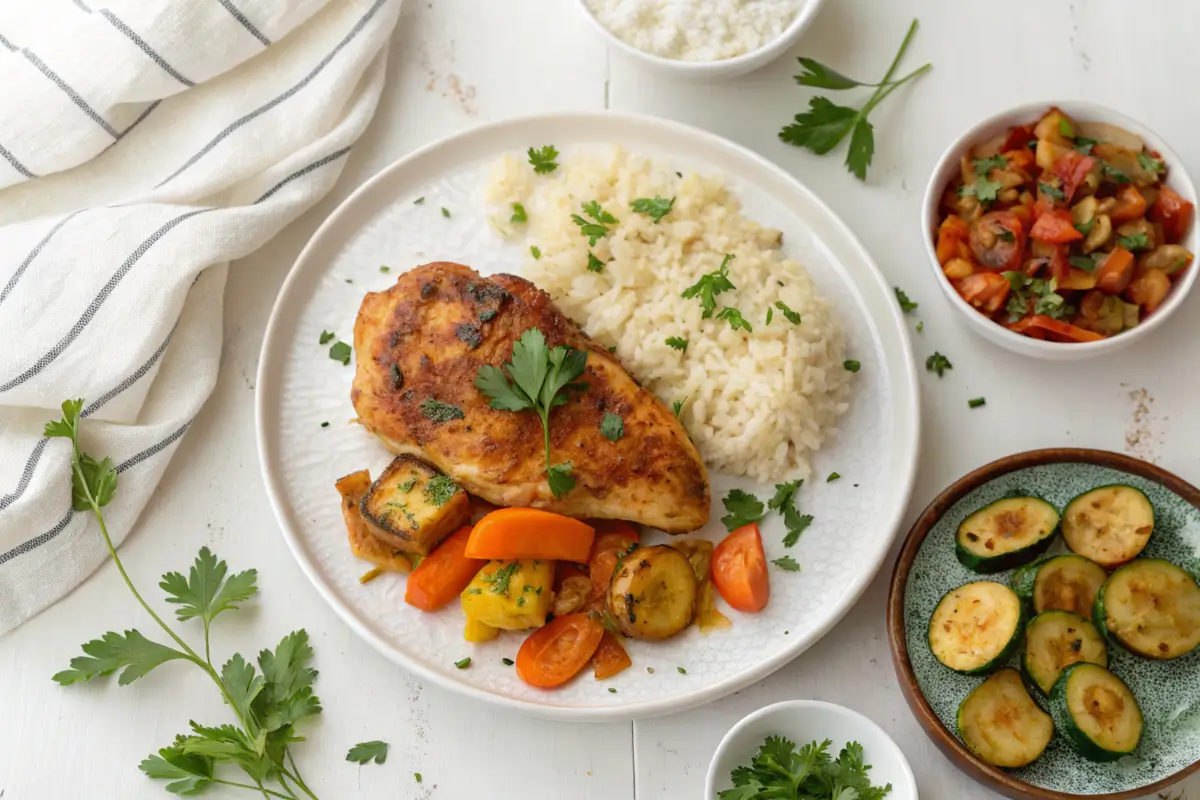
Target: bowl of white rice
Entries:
(700, 39)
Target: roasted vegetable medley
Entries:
(1064, 231)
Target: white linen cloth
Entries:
(144, 144)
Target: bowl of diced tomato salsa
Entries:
(1062, 232)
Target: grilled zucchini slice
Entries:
(1054, 640)
(652, 594)
(365, 543)
(976, 627)
(1006, 534)
(1110, 525)
(1151, 608)
(1096, 713)
(1068, 583)
(1001, 724)
(413, 507)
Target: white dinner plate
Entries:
(300, 387)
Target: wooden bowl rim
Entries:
(947, 742)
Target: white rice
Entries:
(757, 404)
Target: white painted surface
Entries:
(458, 62)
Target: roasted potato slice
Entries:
(412, 507)
(511, 595)
(652, 594)
(365, 543)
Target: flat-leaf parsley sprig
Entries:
(826, 124)
(267, 703)
(542, 378)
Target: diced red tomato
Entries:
(1116, 272)
(953, 236)
(1130, 205)
(739, 569)
(1055, 227)
(998, 240)
(1173, 213)
(554, 653)
(1021, 158)
(1019, 137)
(610, 658)
(986, 291)
(1072, 167)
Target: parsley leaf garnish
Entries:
(787, 563)
(440, 489)
(983, 166)
(594, 264)
(938, 363)
(779, 770)
(984, 190)
(976, 402)
(825, 124)
(597, 230)
(366, 752)
(340, 351)
(656, 208)
(1052, 191)
(784, 503)
(906, 305)
(593, 210)
(833, 476)
(770, 315)
(850, 365)
(535, 251)
(538, 376)
(543, 159)
(677, 407)
(1086, 227)
(501, 577)
(326, 337)
(677, 343)
(1138, 241)
(709, 286)
(463, 663)
(791, 316)
(612, 427)
(1150, 164)
(1066, 128)
(438, 412)
(445, 212)
(743, 509)
(1115, 175)
(518, 214)
(1085, 145)
(735, 319)
(1085, 263)
(784, 492)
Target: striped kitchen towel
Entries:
(144, 144)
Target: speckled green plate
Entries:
(1168, 692)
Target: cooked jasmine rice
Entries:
(757, 403)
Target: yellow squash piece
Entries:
(511, 595)
(476, 631)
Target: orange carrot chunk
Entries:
(554, 653)
(443, 574)
(511, 533)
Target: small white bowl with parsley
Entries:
(814, 743)
(963, 158)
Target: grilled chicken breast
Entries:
(418, 346)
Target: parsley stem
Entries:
(266, 792)
(283, 771)
(912, 31)
(295, 773)
(882, 92)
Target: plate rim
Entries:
(908, 433)
(947, 742)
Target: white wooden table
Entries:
(456, 63)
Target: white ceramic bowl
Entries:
(948, 166)
(802, 721)
(709, 70)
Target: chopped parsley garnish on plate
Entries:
(340, 351)
(611, 690)
(735, 319)
(445, 212)
(920, 326)
(833, 476)
(784, 492)
(677, 407)
(976, 402)
(850, 365)
(938, 363)
(792, 316)
(463, 663)
(677, 343)
(596, 228)
(508, 662)
(535, 251)
(1150, 164)
(743, 509)
(709, 286)
(906, 305)
(594, 264)
(417, 777)
(383, 268)
(594, 210)
(656, 208)
(326, 337)
(501, 578)
(541, 379)
(1135, 242)
(612, 427)
(784, 503)
(420, 201)
(1039, 293)
(439, 412)
(543, 159)
(770, 315)
(787, 563)
(440, 490)
(825, 124)
(365, 752)
(324, 424)
(681, 670)
(408, 485)
(518, 214)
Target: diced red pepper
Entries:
(986, 291)
(1174, 213)
(1130, 205)
(953, 238)
(1072, 167)
(1055, 227)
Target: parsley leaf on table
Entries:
(539, 375)
(543, 159)
(743, 509)
(787, 563)
(709, 286)
(340, 351)
(906, 305)
(938, 363)
(612, 427)
(131, 652)
(826, 124)
(366, 752)
(326, 337)
(656, 208)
